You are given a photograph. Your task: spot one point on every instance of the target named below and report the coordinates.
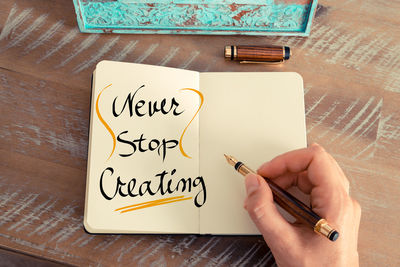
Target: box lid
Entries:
(217, 17)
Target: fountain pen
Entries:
(291, 204)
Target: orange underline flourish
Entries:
(104, 122)
(153, 203)
(201, 104)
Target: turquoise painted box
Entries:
(228, 17)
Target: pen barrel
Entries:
(293, 206)
(261, 54)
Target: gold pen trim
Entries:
(263, 62)
(322, 227)
(228, 52)
(244, 170)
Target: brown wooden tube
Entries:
(257, 53)
(291, 204)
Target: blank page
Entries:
(253, 117)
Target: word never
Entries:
(153, 107)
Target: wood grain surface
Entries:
(351, 70)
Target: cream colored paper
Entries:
(160, 83)
(253, 117)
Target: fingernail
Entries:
(252, 183)
(317, 147)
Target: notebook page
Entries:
(253, 117)
(138, 153)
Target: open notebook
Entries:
(157, 141)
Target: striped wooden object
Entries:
(258, 54)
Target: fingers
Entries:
(299, 180)
(313, 171)
(322, 169)
(263, 212)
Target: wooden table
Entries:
(351, 69)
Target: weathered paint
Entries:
(248, 17)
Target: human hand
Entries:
(314, 172)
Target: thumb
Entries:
(262, 210)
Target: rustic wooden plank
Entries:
(13, 259)
(44, 119)
(351, 70)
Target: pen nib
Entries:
(227, 157)
(231, 160)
